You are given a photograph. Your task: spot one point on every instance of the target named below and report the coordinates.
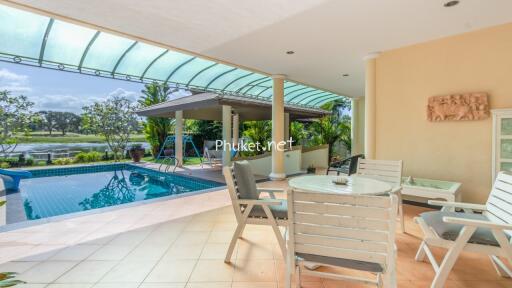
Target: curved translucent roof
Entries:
(36, 40)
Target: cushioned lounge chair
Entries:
(487, 233)
(346, 166)
(250, 208)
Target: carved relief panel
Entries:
(466, 106)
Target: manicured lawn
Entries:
(44, 137)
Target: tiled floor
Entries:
(148, 246)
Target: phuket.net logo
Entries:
(253, 146)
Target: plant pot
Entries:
(136, 154)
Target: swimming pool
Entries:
(59, 191)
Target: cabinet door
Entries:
(504, 143)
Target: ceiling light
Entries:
(451, 3)
(290, 52)
(345, 75)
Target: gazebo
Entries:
(229, 109)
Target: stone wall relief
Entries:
(464, 106)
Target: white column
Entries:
(357, 129)
(226, 134)
(178, 137)
(286, 126)
(370, 106)
(236, 127)
(278, 172)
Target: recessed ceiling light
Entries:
(451, 3)
(345, 75)
(290, 52)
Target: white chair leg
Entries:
(273, 224)
(500, 267)
(451, 256)
(289, 271)
(297, 277)
(420, 255)
(401, 211)
(232, 244)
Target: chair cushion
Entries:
(245, 182)
(278, 211)
(450, 231)
(345, 263)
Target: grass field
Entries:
(56, 137)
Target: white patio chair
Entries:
(387, 171)
(250, 208)
(488, 233)
(354, 232)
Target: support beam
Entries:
(226, 134)
(278, 172)
(236, 129)
(287, 127)
(370, 106)
(178, 140)
(357, 129)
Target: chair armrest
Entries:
(477, 223)
(458, 205)
(261, 202)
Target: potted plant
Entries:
(136, 152)
(7, 279)
(311, 169)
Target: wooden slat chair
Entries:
(387, 171)
(354, 232)
(346, 166)
(488, 233)
(250, 208)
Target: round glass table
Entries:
(324, 184)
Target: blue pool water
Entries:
(59, 191)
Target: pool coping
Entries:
(30, 223)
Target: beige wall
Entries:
(406, 77)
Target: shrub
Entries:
(63, 161)
(4, 165)
(29, 162)
(86, 157)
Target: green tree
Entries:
(333, 128)
(156, 129)
(65, 121)
(258, 132)
(14, 117)
(115, 120)
(298, 132)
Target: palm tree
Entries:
(333, 128)
(258, 132)
(156, 128)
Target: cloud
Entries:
(74, 103)
(120, 92)
(13, 82)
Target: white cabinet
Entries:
(501, 141)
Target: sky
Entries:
(62, 91)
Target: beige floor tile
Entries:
(69, 285)
(18, 267)
(46, 272)
(170, 271)
(131, 238)
(162, 285)
(215, 251)
(129, 271)
(148, 251)
(87, 272)
(220, 237)
(183, 252)
(212, 271)
(192, 238)
(116, 285)
(255, 271)
(42, 252)
(209, 285)
(75, 253)
(253, 250)
(254, 285)
(111, 252)
(199, 226)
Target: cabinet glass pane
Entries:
(506, 149)
(505, 166)
(506, 126)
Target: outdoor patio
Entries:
(180, 243)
